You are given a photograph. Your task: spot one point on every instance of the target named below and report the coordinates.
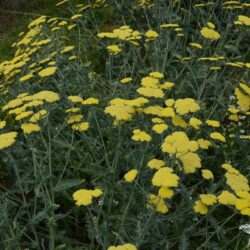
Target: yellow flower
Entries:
(130, 175)
(204, 144)
(114, 49)
(164, 177)
(126, 80)
(2, 124)
(169, 102)
(208, 199)
(167, 112)
(71, 58)
(227, 198)
(230, 169)
(26, 77)
(28, 128)
(179, 143)
(200, 207)
(237, 182)
(72, 26)
(150, 92)
(75, 99)
(84, 197)
(156, 74)
(156, 164)
(153, 110)
(157, 120)
(159, 128)
(76, 16)
(207, 174)
(48, 96)
(217, 136)
(245, 211)
(12, 104)
(167, 85)
(185, 106)
(191, 162)
(210, 33)
(74, 118)
(140, 135)
(120, 112)
(47, 71)
(38, 116)
(165, 192)
(7, 139)
(195, 123)
(157, 203)
(241, 204)
(81, 126)
(23, 115)
(150, 82)
(213, 123)
(67, 49)
(242, 100)
(244, 20)
(211, 25)
(127, 246)
(90, 101)
(151, 34)
(196, 45)
(170, 25)
(215, 68)
(96, 192)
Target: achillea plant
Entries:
(133, 135)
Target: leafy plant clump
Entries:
(125, 125)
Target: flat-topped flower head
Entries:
(156, 164)
(141, 136)
(210, 33)
(47, 72)
(126, 246)
(29, 128)
(84, 197)
(7, 139)
(131, 175)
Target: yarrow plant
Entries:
(127, 135)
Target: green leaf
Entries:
(66, 184)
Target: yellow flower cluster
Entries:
(157, 203)
(206, 200)
(185, 106)
(126, 80)
(84, 197)
(240, 199)
(24, 101)
(243, 97)
(210, 32)
(114, 49)
(124, 33)
(173, 26)
(243, 20)
(123, 110)
(75, 120)
(178, 144)
(126, 246)
(131, 175)
(7, 139)
(141, 136)
(239, 111)
(151, 35)
(146, 3)
(164, 177)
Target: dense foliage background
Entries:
(110, 68)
